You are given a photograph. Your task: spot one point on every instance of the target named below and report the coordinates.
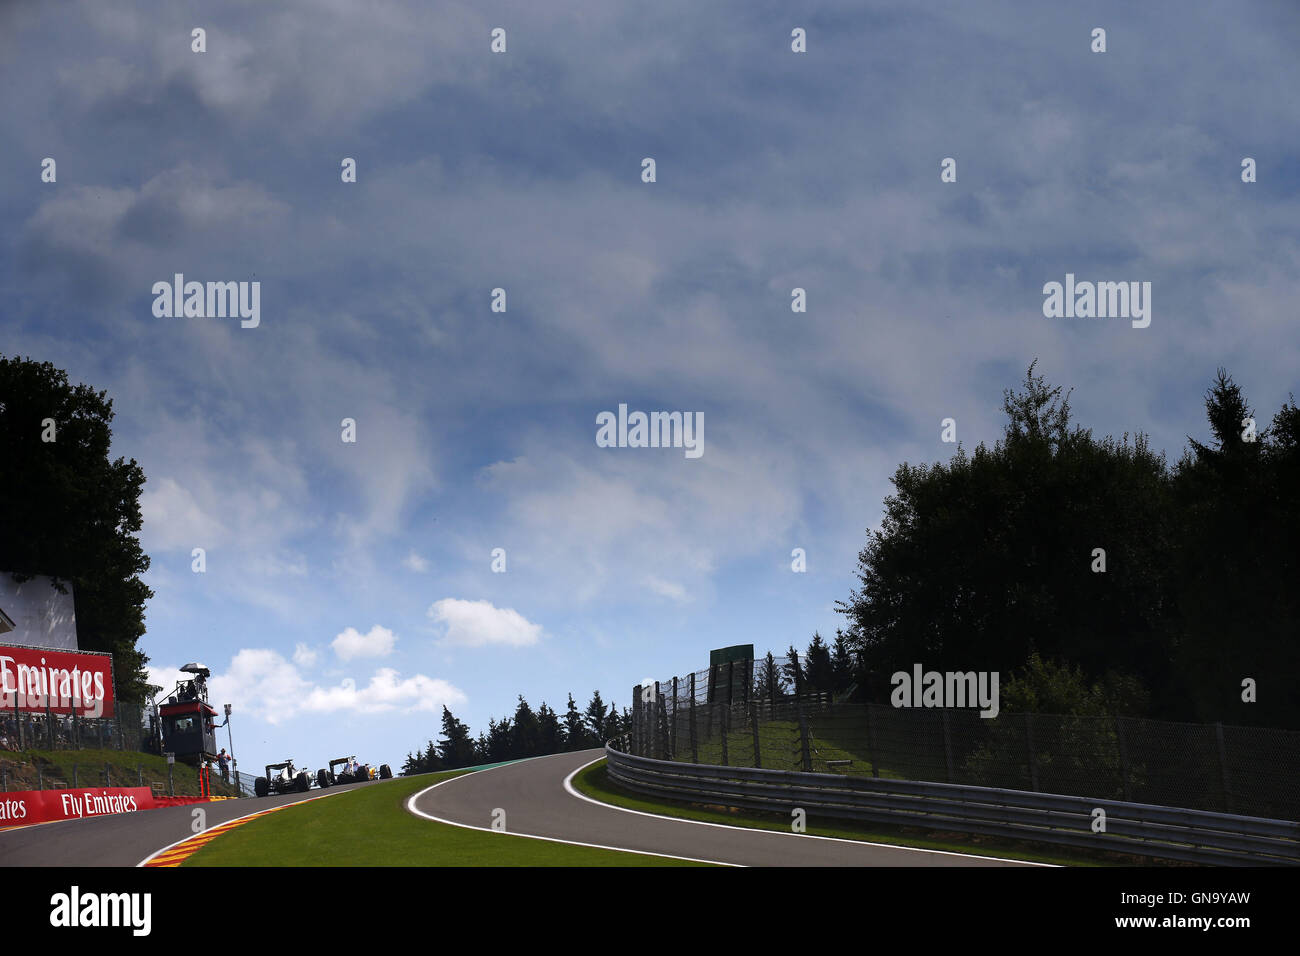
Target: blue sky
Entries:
(349, 591)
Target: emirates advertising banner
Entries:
(38, 679)
(26, 807)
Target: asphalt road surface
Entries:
(536, 803)
(124, 839)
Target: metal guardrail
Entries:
(1192, 836)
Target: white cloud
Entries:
(304, 656)
(165, 677)
(387, 690)
(415, 563)
(478, 623)
(377, 642)
(262, 684)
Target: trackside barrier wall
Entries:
(1162, 832)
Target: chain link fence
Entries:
(722, 716)
(129, 729)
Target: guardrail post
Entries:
(1223, 767)
(1033, 752)
(695, 746)
(947, 743)
(1123, 758)
(753, 722)
(672, 740)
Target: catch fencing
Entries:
(127, 729)
(723, 716)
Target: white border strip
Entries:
(410, 806)
(568, 785)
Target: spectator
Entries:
(223, 760)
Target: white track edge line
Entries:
(568, 785)
(411, 808)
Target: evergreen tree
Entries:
(771, 682)
(456, 748)
(842, 663)
(594, 718)
(526, 735)
(550, 733)
(575, 730)
(818, 669)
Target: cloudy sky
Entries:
(349, 589)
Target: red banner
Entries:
(25, 807)
(63, 681)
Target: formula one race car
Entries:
(351, 772)
(282, 778)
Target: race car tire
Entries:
(261, 786)
(385, 772)
(322, 779)
(303, 781)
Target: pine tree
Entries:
(818, 670)
(550, 733)
(575, 731)
(595, 717)
(456, 748)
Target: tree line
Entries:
(527, 733)
(1093, 570)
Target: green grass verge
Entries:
(126, 768)
(594, 781)
(370, 826)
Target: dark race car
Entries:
(282, 778)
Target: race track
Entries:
(536, 802)
(124, 839)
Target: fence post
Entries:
(18, 719)
(139, 773)
(947, 742)
(672, 745)
(661, 724)
(1033, 752)
(695, 746)
(4, 780)
(753, 719)
(74, 774)
(40, 778)
(635, 743)
(871, 742)
(108, 775)
(171, 783)
(49, 723)
(805, 753)
(1123, 758)
(1223, 767)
